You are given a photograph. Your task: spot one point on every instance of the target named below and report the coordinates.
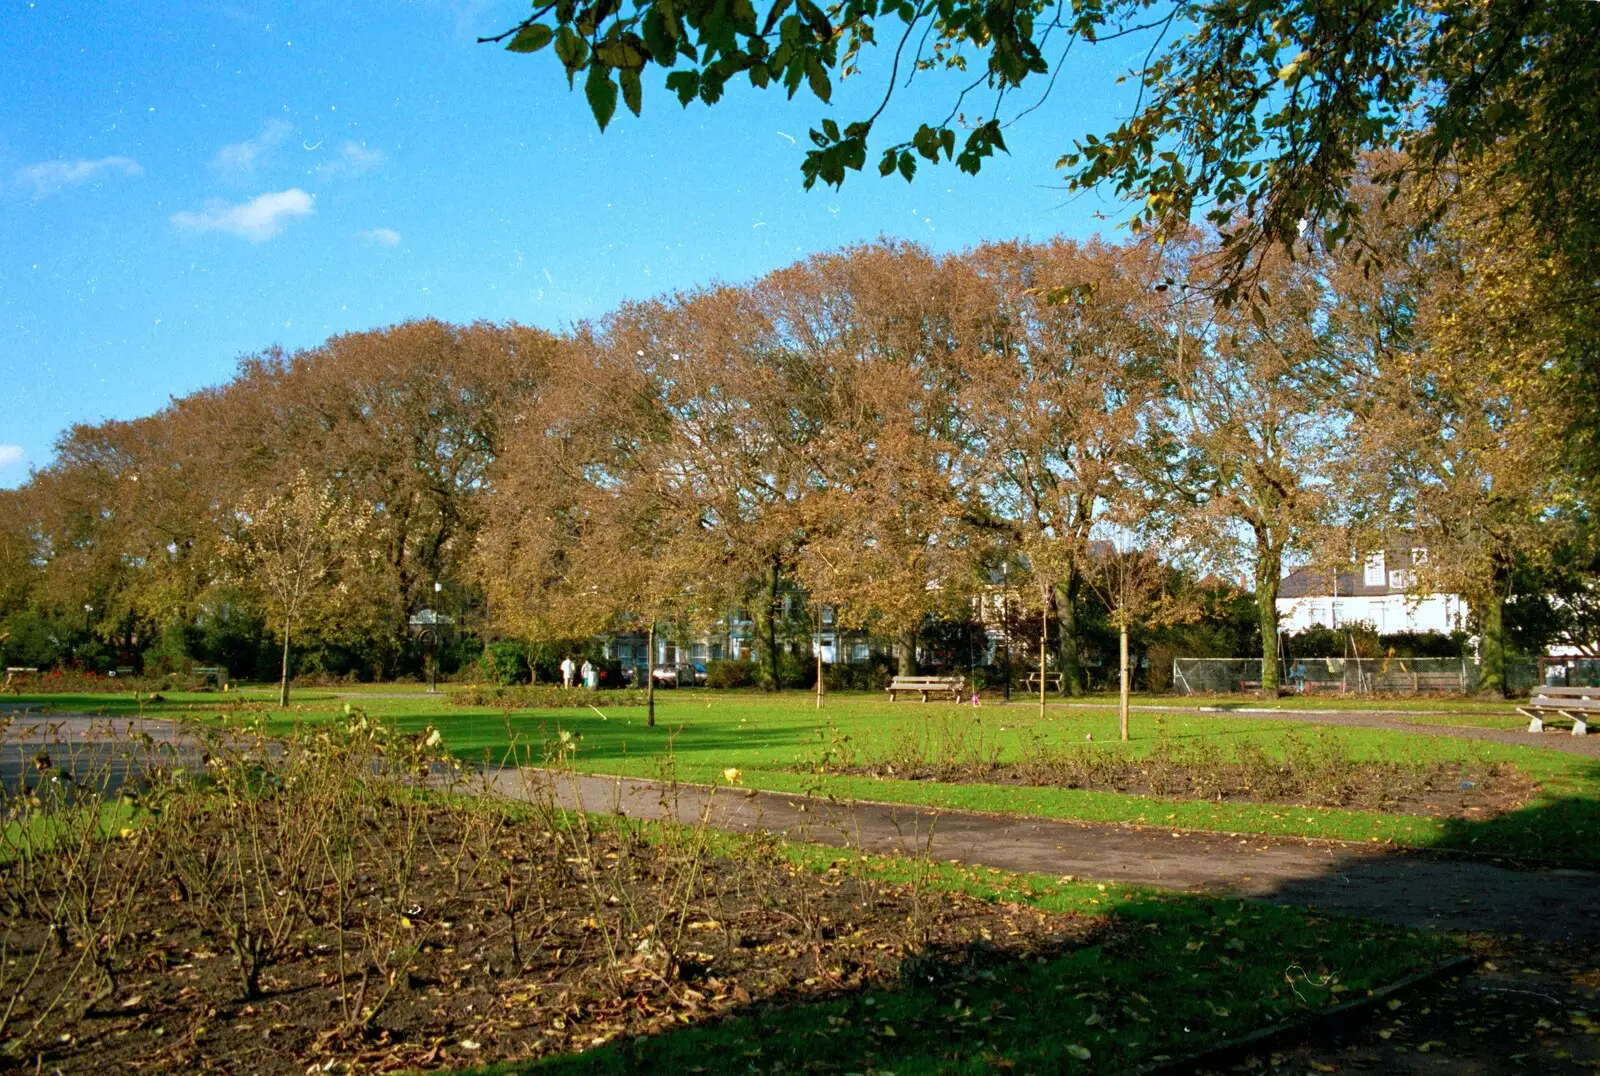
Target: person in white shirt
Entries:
(591, 676)
(567, 669)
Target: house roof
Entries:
(1351, 581)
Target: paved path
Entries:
(1408, 888)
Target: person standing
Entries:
(567, 669)
(591, 675)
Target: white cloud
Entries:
(48, 177)
(354, 160)
(11, 456)
(384, 236)
(238, 161)
(257, 220)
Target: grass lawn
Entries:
(773, 739)
(1442, 704)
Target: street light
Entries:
(427, 624)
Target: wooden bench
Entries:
(1578, 705)
(14, 672)
(1052, 681)
(209, 674)
(953, 686)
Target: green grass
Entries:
(769, 738)
(1424, 704)
(1173, 974)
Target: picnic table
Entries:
(1578, 705)
(953, 686)
(1052, 681)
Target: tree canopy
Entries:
(1253, 116)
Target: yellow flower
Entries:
(732, 775)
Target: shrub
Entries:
(731, 673)
(505, 663)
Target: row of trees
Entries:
(881, 429)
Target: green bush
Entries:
(505, 663)
(171, 653)
(869, 676)
(726, 674)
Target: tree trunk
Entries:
(1123, 678)
(1044, 641)
(1492, 648)
(1269, 566)
(819, 650)
(283, 679)
(650, 678)
(905, 654)
(772, 629)
(1067, 650)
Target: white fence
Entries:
(1344, 676)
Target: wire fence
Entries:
(1346, 676)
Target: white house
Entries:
(1381, 594)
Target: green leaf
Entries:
(602, 95)
(818, 77)
(686, 84)
(816, 20)
(531, 38)
(908, 166)
(632, 91)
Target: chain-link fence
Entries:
(1570, 671)
(1345, 676)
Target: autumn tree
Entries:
(1470, 408)
(591, 531)
(303, 548)
(1061, 354)
(1252, 429)
(887, 525)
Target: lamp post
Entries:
(427, 624)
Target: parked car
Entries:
(680, 674)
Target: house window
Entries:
(1373, 576)
(858, 652)
(699, 652)
(1402, 579)
(1419, 554)
(716, 651)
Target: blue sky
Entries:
(183, 184)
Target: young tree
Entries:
(304, 550)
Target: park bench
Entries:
(16, 672)
(1051, 680)
(953, 686)
(1578, 705)
(211, 675)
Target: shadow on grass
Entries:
(1155, 976)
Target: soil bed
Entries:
(1442, 790)
(508, 946)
